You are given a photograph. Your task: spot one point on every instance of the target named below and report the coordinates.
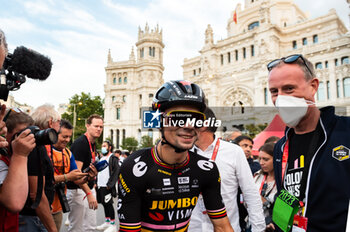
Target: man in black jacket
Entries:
(311, 161)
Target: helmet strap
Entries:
(166, 142)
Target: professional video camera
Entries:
(23, 62)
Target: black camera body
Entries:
(42, 137)
(60, 190)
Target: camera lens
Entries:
(47, 136)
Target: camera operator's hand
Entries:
(92, 202)
(23, 144)
(75, 175)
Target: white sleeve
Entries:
(3, 171)
(250, 194)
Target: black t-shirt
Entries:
(39, 164)
(81, 151)
(300, 156)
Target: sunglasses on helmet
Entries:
(288, 60)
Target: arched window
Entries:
(113, 98)
(328, 90)
(117, 113)
(150, 133)
(338, 88)
(265, 96)
(346, 86)
(318, 65)
(315, 38)
(345, 60)
(114, 80)
(125, 80)
(124, 134)
(295, 46)
(320, 92)
(304, 41)
(253, 25)
(124, 98)
(118, 138)
(111, 135)
(120, 80)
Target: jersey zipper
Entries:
(310, 168)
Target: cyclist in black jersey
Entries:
(159, 186)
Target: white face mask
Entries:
(292, 109)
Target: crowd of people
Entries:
(191, 180)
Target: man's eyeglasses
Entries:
(288, 60)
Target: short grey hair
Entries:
(3, 40)
(43, 114)
(309, 75)
(227, 135)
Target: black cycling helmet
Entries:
(179, 92)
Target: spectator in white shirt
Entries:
(235, 172)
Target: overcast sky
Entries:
(76, 35)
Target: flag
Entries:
(235, 17)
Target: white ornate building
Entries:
(130, 85)
(233, 71)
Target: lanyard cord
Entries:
(216, 149)
(308, 156)
(92, 151)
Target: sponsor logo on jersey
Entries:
(123, 184)
(139, 168)
(119, 204)
(205, 165)
(171, 204)
(166, 181)
(183, 180)
(340, 153)
(164, 172)
(156, 216)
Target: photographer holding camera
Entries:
(65, 169)
(17, 122)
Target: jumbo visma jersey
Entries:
(154, 196)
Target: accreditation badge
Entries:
(285, 208)
(299, 224)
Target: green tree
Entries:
(84, 105)
(253, 129)
(130, 144)
(146, 141)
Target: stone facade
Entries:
(232, 71)
(130, 85)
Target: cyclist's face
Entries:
(182, 137)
